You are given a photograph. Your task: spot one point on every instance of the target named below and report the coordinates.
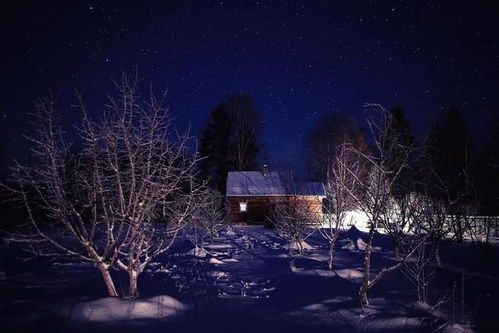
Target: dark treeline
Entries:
(448, 161)
(321, 144)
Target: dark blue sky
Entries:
(298, 59)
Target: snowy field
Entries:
(242, 283)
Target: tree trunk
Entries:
(108, 281)
(458, 229)
(330, 256)
(419, 288)
(367, 269)
(291, 258)
(300, 247)
(437, 256)
(397, 249)
(133, 290)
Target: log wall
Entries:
(259, 209)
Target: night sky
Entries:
(298, 59)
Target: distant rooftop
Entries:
(274, 183)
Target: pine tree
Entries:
(398, 139)
(229, 140)
(450, 178)
(214, 148)
(449, 155)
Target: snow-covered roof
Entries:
(254, 183)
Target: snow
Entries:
(357, 245)
(313, 272)
(219, 275)
(218, 246)
(215, 261)
(456, 328)
(357, 219)
(197, 252)
(297, 246)
(349, 273)
(244, 282)
(230, 260)
(254, 183)
(115, 309)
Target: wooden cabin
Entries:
(253, 195)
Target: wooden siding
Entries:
(259, 208)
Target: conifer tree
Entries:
(229, 140)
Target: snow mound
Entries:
(197, 252)
(316, 307)
(162, 270)
(230, 260)
(313, 272)
(218, 246)
(456, 328)
(219, 275)
(354, 240)
(361, 245)
(296, 246)
(215, 261)
(356, 218)
(349, 246)
(112, 309)
(230, 233)
(349, 273)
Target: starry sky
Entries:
(298, 59)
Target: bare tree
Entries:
(449, 160)
(376, 190)
(402, 219)
(338, 201)
(421, 272)
(323, 142)
(63, 197)
(152, 186)
(124, 198)
(436, 224)
(212, 215)
(293, 220)
(457, 194)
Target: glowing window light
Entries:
(243, 206)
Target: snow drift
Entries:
(115, 309)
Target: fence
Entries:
(478, 228)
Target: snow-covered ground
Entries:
(242, 282)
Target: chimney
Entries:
(265, 170)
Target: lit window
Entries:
(243, 206)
